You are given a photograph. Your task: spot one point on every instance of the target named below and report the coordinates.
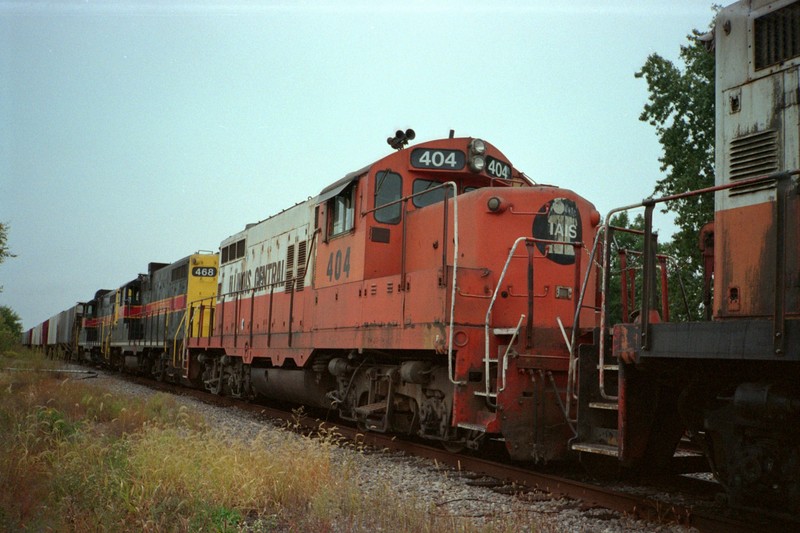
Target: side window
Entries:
(341, 211)
(431, 197)
(388, 188)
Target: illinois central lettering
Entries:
(269, 274)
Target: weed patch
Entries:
(78, 458)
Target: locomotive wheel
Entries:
(159, 370)
(464, 437)
(218, 373)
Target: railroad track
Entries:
(510, 478)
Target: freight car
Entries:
(427, 293)
(58, 335)
(731, 383)
(64, 332)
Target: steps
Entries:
(598, 417)
(599, 449)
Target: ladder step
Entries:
(371, 408)
(600, 449)
(611, 406)
(472, 427)
(504, 331)
(609, 367)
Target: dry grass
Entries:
(81, 460)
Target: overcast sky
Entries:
(133, 132)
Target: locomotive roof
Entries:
(339, 185)
(328, 192)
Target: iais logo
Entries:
(558, 220)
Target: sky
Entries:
(142, 131)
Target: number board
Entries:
(497, 168)
(204, 272)
(438, 159)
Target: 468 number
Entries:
(338, 264)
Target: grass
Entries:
(75, 458)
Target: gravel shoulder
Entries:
(436, 488)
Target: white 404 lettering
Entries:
(438, 159)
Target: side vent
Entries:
(301, 266)
(753, 155)
(289, 268)
(777, 36)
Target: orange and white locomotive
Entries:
(433, 292)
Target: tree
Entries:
(10, 328)
(681, 107)
(633, 244)
(4, 251)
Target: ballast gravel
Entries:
(443, 489)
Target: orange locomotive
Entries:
(433, 292)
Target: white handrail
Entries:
(486, 358)
(508, 350)
(450, 370)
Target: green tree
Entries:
(10, 328)
(631, 243)
(4, 251)
(681, 107)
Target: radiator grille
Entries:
(777, 36)
(301, 266)
(289, 268)
(753, 155)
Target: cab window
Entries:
(431, 197)
(341, 210)
(388, 189)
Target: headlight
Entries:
(477, 147)
(497, 205)
(477, 163)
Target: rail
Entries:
(555, 484)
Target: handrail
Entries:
(508, 350)
(450, 368)
(649, 205)
(185, 323)
(486, 357)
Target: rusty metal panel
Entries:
(627, 339)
